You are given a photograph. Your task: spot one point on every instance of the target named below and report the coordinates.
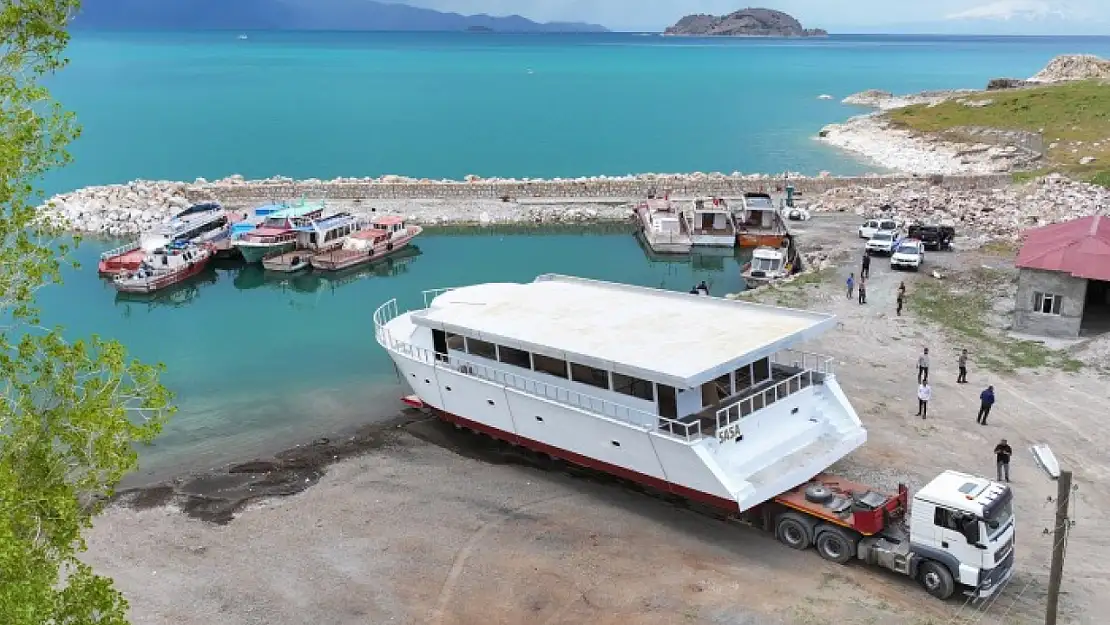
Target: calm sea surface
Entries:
(259, 363)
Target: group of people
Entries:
(1002, 450)
(861, 286)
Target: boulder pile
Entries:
(978, 215)
(116, 210)
(1073, 67)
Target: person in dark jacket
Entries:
(1002, 453)
(703, 288)
(865, 269)
(986, 400)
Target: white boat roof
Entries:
(679, 339)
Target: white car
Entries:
(909, 254)
(871, 226)
(883, 242)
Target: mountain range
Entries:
(346, 15)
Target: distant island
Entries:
(313, 15)
(743, 23)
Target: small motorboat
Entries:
(767, 265)
(164, 267)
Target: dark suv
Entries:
(933, 237)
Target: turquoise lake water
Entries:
(259, 364)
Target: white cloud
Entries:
(1011, 10)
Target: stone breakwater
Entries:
(978, 215)
(137, 206)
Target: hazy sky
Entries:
(980, 16)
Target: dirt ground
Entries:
(431, 526)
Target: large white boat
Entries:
(200, 224)
(618, 378)
(711, 223)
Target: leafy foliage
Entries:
(70, 412)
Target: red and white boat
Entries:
(164, 267)
(386, 235)
(199, 224)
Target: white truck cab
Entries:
(871, 226)
(962, 534)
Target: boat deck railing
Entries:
(810, 369)
(636, 417)
(431, 294)
(119, 251)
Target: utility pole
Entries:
(1056, 573)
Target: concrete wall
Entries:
(727, 186)
(1064, 325)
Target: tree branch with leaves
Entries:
(72, 412)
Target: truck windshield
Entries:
(999, 517)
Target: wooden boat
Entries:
(316, 237)
(387, 235)
(758, 223)
(711, 223)
(165, 267)
(199, 224)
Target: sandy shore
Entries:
(421, 524)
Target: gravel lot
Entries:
(433, 527)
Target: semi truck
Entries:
(957, 535)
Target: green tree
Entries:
(71, 413)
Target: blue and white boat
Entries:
(277, 234)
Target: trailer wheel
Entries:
(835, 546)
(818, 493)
(793, 532)
(936, 579)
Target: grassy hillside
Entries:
(1074, 117)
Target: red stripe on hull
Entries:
(591, 463)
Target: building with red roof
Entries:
(1064, 279)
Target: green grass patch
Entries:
(794, 294)
(963, 309)
(1074, 116)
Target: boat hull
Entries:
(256, 253)
(289, 262)
(754, 239)
(164, 281)
(713, 240)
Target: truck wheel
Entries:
(817, 493)
(792, 532)
(936, 579)
(834, 546)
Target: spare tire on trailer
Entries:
(817, 493)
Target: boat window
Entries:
(484, 349)
(743, 377)
(515, 357)
(550, 366)
(761, 369)
(589, 375)
(456, 342)
(635, 387)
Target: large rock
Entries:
(1073, 67)
(744, 23)
(997, 84)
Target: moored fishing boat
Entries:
(386, 235)
(316, 237)
(277, 233)
(711, 223)
(164, 267)
(758, 223)
(663, 228)
(199, 224)
(767, 265)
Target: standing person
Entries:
(902, 288)
(924, 394)
(703, 288)
(923, 367)
(901, 296)
(851, 284)
(962, 362)
(862, 290)
(1002, 453)
(865, 272)
(986, 400)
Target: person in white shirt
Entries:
(924, 394)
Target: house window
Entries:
(635, 387)
(589, 375)
(1046, 303)
(548, 365)
(514, 357)
(481, 348)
